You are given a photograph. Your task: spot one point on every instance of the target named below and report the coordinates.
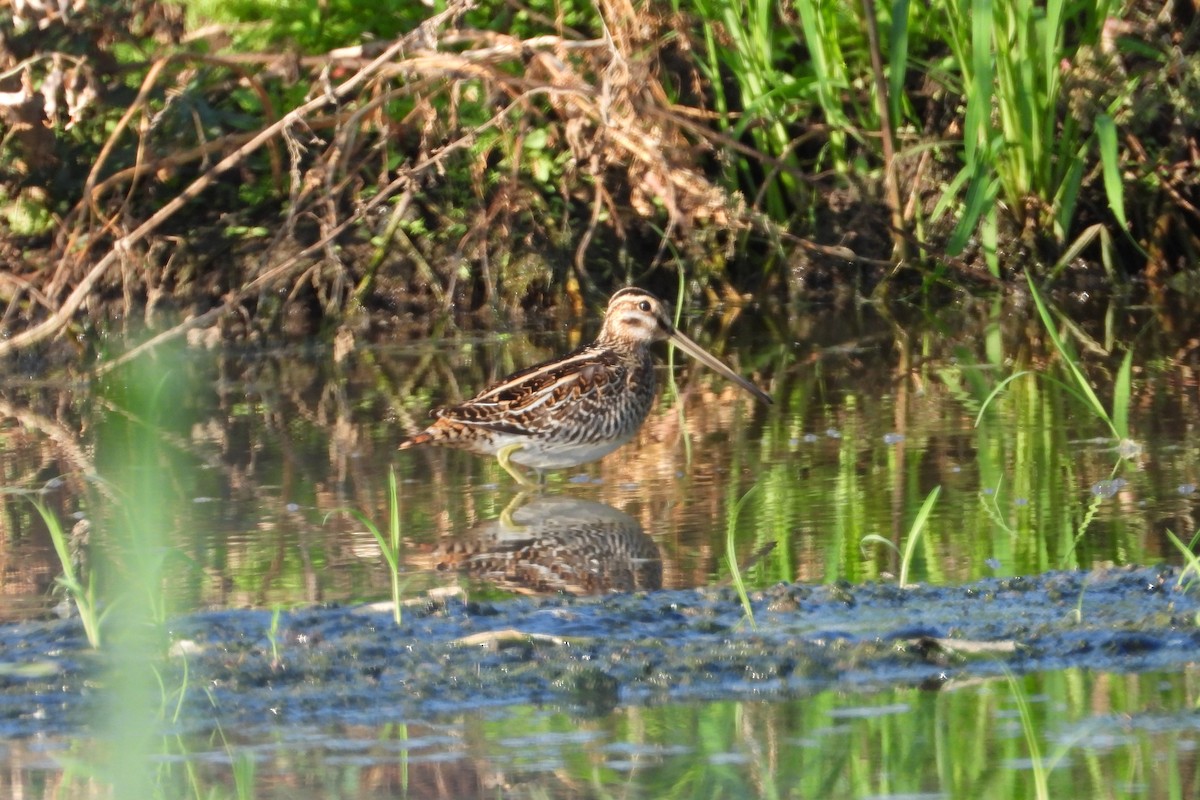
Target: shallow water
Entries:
(1100, 736)
(252, 455)
(644, 693)
(869, 418)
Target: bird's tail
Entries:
(425, 437)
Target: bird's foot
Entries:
(505, 459)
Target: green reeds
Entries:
(828, 30)
(1021, 142)
(741, 42)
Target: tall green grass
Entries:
(132, 540)
(1026, 149)
(742, 43)
(803, 73)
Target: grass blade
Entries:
(1122, 392)
(1191, 562)
(914, 533)
(897, 58)
(1114, 188)
(735, 573)
(1081, 381)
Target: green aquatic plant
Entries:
(735, 572)
(1042, 456)
(391, 545)
(910, 541)
(81, 591)
(1118, 420)
(273, 635)
(1191, 569)
(1079, 387)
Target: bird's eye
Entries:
(644, 306)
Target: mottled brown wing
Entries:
(528, 401)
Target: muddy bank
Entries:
(352, 665)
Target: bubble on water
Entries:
(1108, 488)
(1129, 449)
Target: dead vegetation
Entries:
(466, 168)
(448, 168)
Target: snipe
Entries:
(576, 408)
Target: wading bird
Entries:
(577, 408)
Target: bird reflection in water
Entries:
(557, 544)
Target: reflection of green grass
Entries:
(1016, 486)
(1029, 728)
(1079, 388)
(973, 741)
(1118, 420)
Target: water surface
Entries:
(253, 456)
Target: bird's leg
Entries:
(505, 456)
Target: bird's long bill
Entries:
(712, 362)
